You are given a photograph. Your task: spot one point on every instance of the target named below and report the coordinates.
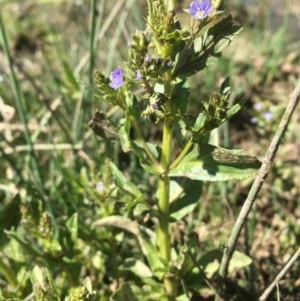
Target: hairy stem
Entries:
(163, 235)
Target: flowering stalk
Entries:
(160, 60)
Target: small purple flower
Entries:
(100, 186)
(138, 75)
(148, 58)
(200, 10)
(258, 106)
(169, 64)
(268, 115)
(116, 78)
(253, 120)
(129, 43)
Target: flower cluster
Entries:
(117, 78)
(198, 10)
(267, 114)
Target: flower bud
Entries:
(218, 4)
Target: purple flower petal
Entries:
(258, 106)
(138, 75)
(268, 115)
(100, 186)
(116, 78)
(200, 10)
(253, 120)
(148, 58)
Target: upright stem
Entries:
(163, 235)
(164, 193)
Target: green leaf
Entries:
(210, 261)
(234, 109)
(184, 195)
(124, 293)
(37, 278)
(146, 238)
(183, 263)
(211, 163)
(124, 133)
(124, 183)
(51, 282)
(139, 150)
(10, 217)
(180, 97)
(29, 247)
(208, 48)
(238, 261)
(72, 226)
(41, 287)
(69, 76)
(137, 267)
(153, 291)
(200, 122)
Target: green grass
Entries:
(50, 160)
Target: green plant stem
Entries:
(19, 102)
(259, 180)
(182, 154)
(87, 96)
(163, 236)
(8, 274)
(164, 193)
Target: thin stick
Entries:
(287, 266)
(259, 180)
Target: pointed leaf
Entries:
(139, 150)
(137, 267)
(29, 247)
(180, 97)
(72, 226)
(208, 48)
(211, 163)
(124, 183)
(124, 133)
(10, 217)
(238, 261)
(37, 278)
(210, 261)
(234, 109)
(184, 195)
(183, 263)
(51, 282)
(145, 237)
(41, 286)
(124, 293)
